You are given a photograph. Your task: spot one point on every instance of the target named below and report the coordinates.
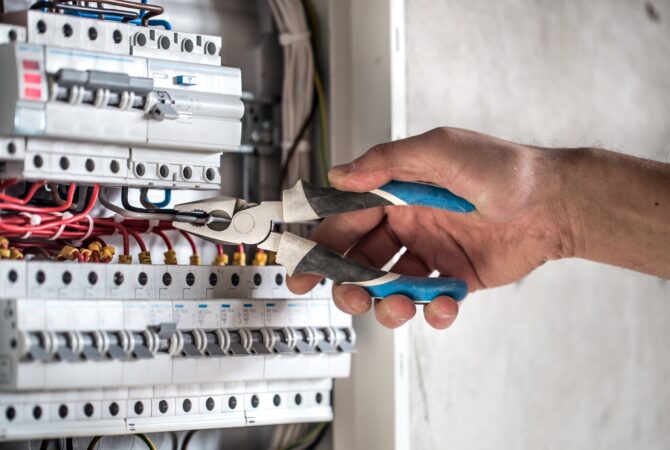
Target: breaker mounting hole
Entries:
(118, 278)
(92, 33)
(11, 148)
(213, 279)
(38, 161)
(117, 36)
(90, 165)
(12, 276)
(142, 278)
(64, 163)
(167, 279)
(67, 278)
(186, 405)
(40, 277)
(114, 166)
(164, 171)
(41, 27)
(235, 279)
(140, 170)
(187, 172)
(190, 279)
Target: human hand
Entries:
(519, 223)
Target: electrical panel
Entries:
(98, 103)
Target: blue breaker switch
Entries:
(186, 80)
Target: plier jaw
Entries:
(232, 220)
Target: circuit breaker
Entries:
(96, 337)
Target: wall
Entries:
(574, 356)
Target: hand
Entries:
(519, 223)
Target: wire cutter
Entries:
(235, 221)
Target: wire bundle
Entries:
(62, 232)
(297, 89)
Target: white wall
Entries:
(575, 356)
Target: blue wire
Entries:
(152, 22)
(167, 198)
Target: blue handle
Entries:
(421, 194)
(420, 289)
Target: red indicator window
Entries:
(32, 78)
(32, 93)
(31, 65)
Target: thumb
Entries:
(411, 159)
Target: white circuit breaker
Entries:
(133, 348)
(98, 101)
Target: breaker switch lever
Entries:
(64, 350)
(115, 349)
(323, 341)
(236, 346)
(304, 341)
(213, 347)
(190, 347)
(140, 349)
(258, 345)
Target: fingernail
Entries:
(340, 171)
(442, 314)
(356, 304)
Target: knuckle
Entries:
(382, 152)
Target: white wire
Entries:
(297, 88)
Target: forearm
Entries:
(617, 208)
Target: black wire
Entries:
(69, 445)
(296, 141)
(44, 445)
(187, 439)
(126, 204)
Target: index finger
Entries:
(338, 233)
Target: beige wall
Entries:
(575, 356)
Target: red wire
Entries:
(8, 183)
(219, 249)
(163, 236)
(191, 242)
(57, 223)
(123, 230)
(138, 239)
(29, 196)
(240, 248)
(36, 209)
